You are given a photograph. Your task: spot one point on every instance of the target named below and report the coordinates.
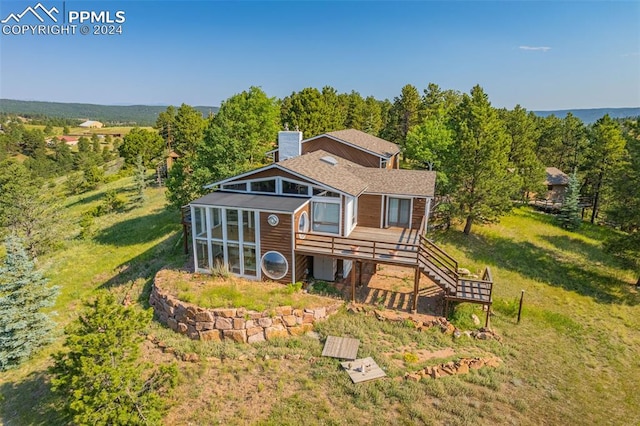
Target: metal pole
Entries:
(520, 308)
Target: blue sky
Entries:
(539, 54)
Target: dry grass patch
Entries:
(211, 292)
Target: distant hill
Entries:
(589, 116)
(141, 115)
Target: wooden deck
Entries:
(402, 247)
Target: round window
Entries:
(303, 224)
(274, 265)
(273, 220)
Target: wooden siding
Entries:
(369, 210)
(277, 238)
(301, 260)
(341, 150)
(419, 206)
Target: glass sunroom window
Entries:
(268, 186)
(326, 217)
(200, 222)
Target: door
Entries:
(399, 212)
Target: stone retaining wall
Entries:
(237, 324)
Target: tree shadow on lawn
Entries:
(139, 229)
(545, 266)
(31, 395)
(144, 267)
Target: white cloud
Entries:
(540, 48)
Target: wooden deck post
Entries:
(416, 285)
(354, 270)
(486, 321)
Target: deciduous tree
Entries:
(143, 142)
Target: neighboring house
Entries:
(69, 140)
(328, 204)
(556, 181)
(90, 124)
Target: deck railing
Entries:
(430, 256)
(358, 248)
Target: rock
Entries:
(462, 368)
(206, 325)
(223, 323)
(173, 324)
(476, 364)
(239, 324)
(307, 318)
(204, 316)
(226, 313)
(289, 320)
(448, 329)
(254, 330)
(320, 313)
(413, 377)
(161, 344)
(265, 322)
(435, 372)
(212, 335)
(239, 336)
(182, 328)
(255, 338)
(464, 271)
(283, 310)
(241, 312)
(476, 320)
(483, 335)
(275, 332)
(250, 324)
(308, 328)
(191, 357)
(457, 334)
(298, 312)
(296, 331)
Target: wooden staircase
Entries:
(442, 269)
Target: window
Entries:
(289, 187)
(248, 226)
(321, 192)
(326, 217)
(274, 265)
(250, 261)
(268, 186)
(216, 223)
(200, 220)
(235, 186)
(383, 163)
(233, 233)
(202, 254)
(303, 222)
(233, 251)
(399, 212)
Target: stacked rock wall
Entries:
(237, 324)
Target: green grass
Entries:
(218, 292)
(573, 359)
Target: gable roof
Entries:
(362, 140)
(556, 176)
(399, 181)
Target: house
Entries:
(69, 140)
(325, 206)
(556, 182)
(90, 124)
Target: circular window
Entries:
(303, 224)
(273, 220)
(274, 265)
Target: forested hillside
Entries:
(132, 115)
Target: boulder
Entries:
(204, 316)
(289, 320)
(265, 322)
(210, 335)
(239, 336)
(226, 313)
(239, 324)
(255, 338)
(275, 332)
(223, 323)
(254, 330)
(476, 320)
(283, 310)
(182, 328)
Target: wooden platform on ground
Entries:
(475, 291)
(362, 370)
(341, 347)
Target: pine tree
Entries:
(569, 216)
(100, 376)
(23, 295)
(139, 182)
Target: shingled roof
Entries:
(365, 141)
(355, 179)
(340, 176)
(399, 182)
(556, 176)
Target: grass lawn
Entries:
(218, 292)
(573, 359)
